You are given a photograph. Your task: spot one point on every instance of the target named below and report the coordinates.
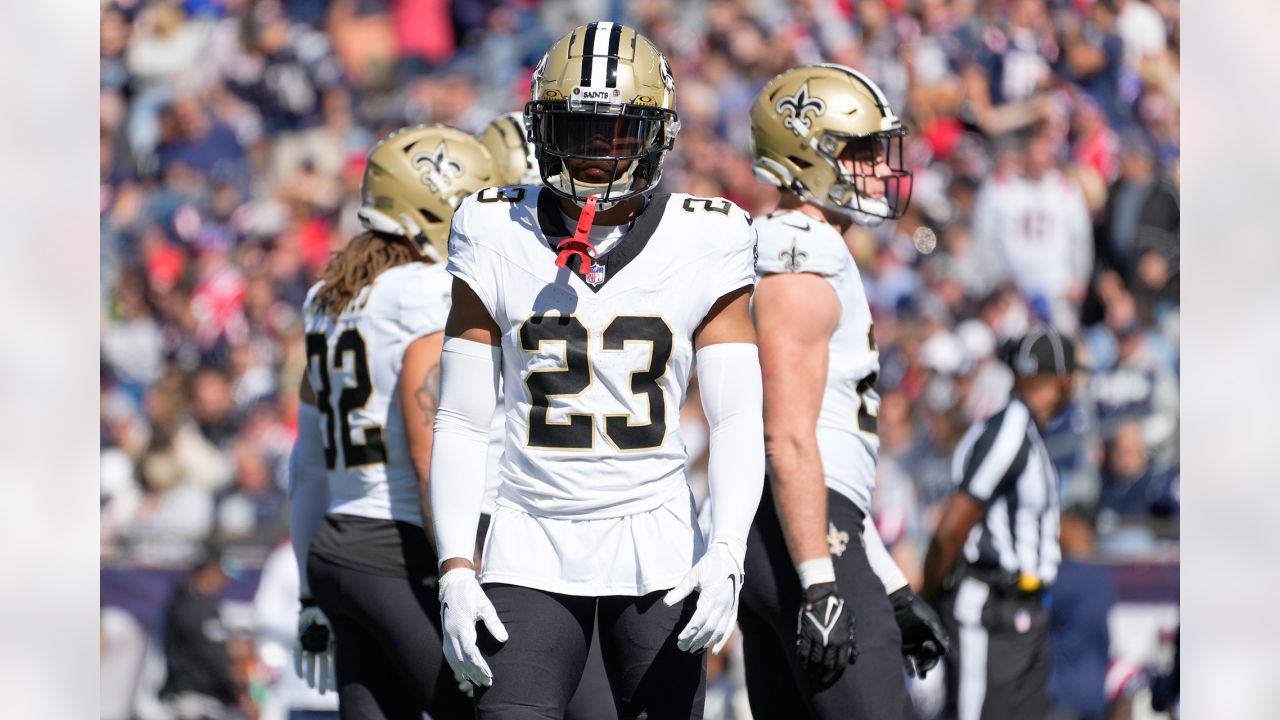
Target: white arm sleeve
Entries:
(733, 400)
(468, 391)
(308, 488)
(882, 563)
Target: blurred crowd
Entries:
(1044, 140)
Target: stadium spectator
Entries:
(1132, 485)
(198, 683)
(169, 516)
(1133, 378)
(1117, 233)
(254, 507)
(1035, 228)
(1079, 638)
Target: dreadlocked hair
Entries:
(356, 266)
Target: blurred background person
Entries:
(1079, 639)
(1035, 227)
(275, 610)
(996, 552)
(199, 684)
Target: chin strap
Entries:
(580, 243)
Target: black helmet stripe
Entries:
(600, 55)
(615, 39)
(588, 54)
(516, 127)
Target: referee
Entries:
(995, 552)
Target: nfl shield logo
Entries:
(596, 275)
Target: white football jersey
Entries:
(792, 242)
(354, 367)
(595, 365)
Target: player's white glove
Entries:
(462, 604)
(718, 579)
(464, 685)
(313, 652)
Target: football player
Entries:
(593, 296)
(507, 140)
(827, 138)
(370, 624)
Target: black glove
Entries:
(824, 633)
(924, 639)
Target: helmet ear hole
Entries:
(800, 162)
(430, 216)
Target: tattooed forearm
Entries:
(428, 394)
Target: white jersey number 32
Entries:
(349, 348)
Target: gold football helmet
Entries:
(415, 179)
(827, 133)
(602, 114)
(508, 142)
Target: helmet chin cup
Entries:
(770, 172)
(863, 219)
(864, 211)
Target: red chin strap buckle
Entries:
(580, 243)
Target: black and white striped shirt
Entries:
(1002, 462)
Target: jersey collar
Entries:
(551, 222)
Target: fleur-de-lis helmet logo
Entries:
(437, 168)
(794, 109)
(664, 69)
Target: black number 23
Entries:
(350, 346)
(575, 376)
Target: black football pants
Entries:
(873, 688)
(536, 672)
(390, 660)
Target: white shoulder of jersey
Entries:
(724, 237)
(792, 242)
(415, 296)
(728, 226)
(311, 296)
(490, 208)
(479, 219)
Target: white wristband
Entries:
(812, 572)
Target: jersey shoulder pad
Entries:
(414, 295)
(720, 226)
(496, 203)
(424, 306)
(710, 210)
(490, 212)
(794, 242)
(415, 282)
(723, 236)
(311, 297)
